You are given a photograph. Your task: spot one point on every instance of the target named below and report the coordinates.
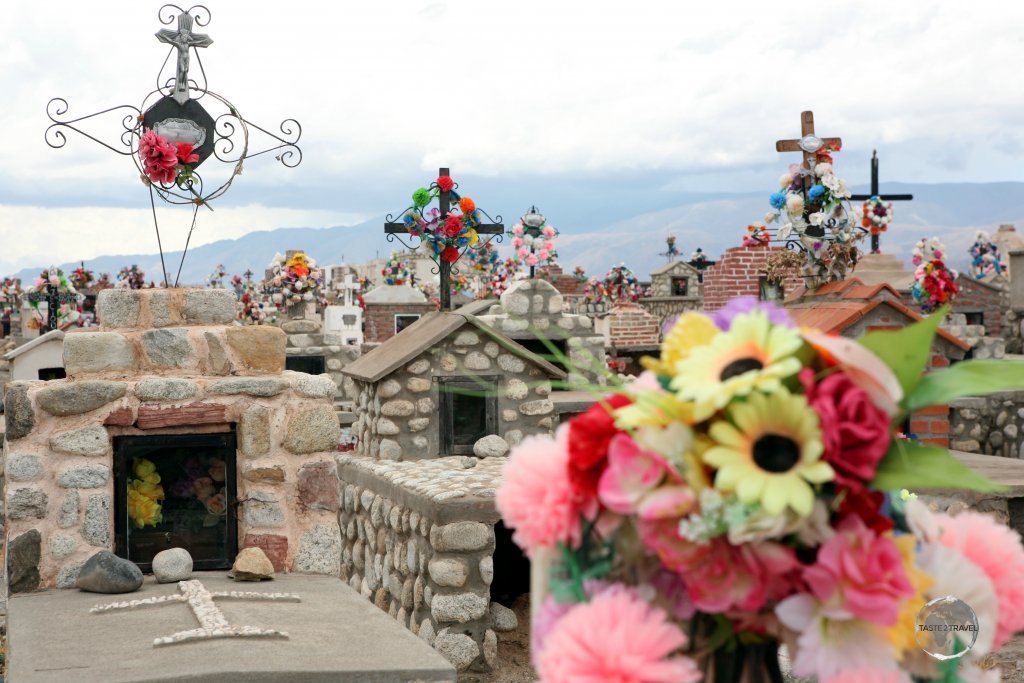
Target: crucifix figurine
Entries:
(183, 39)
(444, 201)
(875, 248)
(808, 143)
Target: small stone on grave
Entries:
(489, 446)
(252, 564)
(173, 564)
(105, 572)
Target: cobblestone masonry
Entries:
(993, 424)
(418, 542)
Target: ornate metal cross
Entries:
(54, 299)
(444, 267)
(808, 143)
(183, 39)
(212, 622)
(875, 248)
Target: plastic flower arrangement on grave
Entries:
(671, 250)
(749, 490)
(252, 309)
(877, 215)
(985, 258)
(534, 246)
(294, 279)
(579, 274)
(145, 494)
(757, 235)
(166, 163)
(131, 277)
(10, 293)
(81, 277)
(396, 271)
(934, 283)
(216, 277)
(445, 239)
(619, 285)
(66, 312)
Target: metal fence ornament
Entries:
(171, 133)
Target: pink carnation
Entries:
(517, 242)
(543, 254)
(860, 574)
(548, 231)
(996, 550)
(159, 158)
(549, 244)
(617, 637)
(536, 498)
(523, 252)
(531, 260)
(871, 674)
(517, 229)
(551, 612)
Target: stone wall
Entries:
(990, 299)
(305, 337)
(169, 362)
(738, 273)
(993, 424)
(399, 417)
(666, 308)
(418, 541)
(532, 310)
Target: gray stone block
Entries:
(167, 347)
(23, 468)
(314, 386)
(96, 529)
(105, 572)
(502, 618)
(61, 545)
(398, 408)
(209, 306)
(449, 571)
(458, 648)
(490, 446)
(69, 510)
(88, 476)
(390, 449)
(67, 577)
(160, 389)
(89, 441)
(98, 352)
(18, 412)
(262, 510)
(118, 307)
(461, 537)
(477, 361)
(262, 387)
(26, 503)
(173, 564)
(511, 364)
(23, 553)
(254, 431)
(75, 398)
(313, 430)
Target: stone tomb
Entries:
(676, 288)
(168, 362)
(309, 349)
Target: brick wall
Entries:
(379, 319)
(990, 300)
(738, 273)
(629, 325)
(931, 425)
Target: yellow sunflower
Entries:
(902, 633)
(753, 354)
(690, 331)
(770, 452)
(654, 409)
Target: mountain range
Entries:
(713, 222)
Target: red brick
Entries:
(936, 441)
(942, 411)
(920, 426)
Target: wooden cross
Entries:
(445, 267)
(875, 248)
(808, 143)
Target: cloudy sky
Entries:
(687, 96)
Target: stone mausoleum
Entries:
(169, 386)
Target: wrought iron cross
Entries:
(54, 299)
(183, 39)
(444, 267)
(808, 143)
(875, 248)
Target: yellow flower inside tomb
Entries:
(753, 354)
(769, 452)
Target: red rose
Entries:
(450, 254)
(854, 431)
(868, 506)
(185, 155)
(445, 183)
(453, 226)
(589, 436)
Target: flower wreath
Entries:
(934, 283)
(985, 258)
(877, 215)
(216, 278)
(534, 251)
(294, 279)
(757, 235)
(131, 277)
(81, 277)
(443, 240)
(396, 271)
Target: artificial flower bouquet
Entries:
(934, 282)
(534, 250)
(215, 279)
(145, 494)
(757, 235)
(53, 276)
(82, 277)
(985, 258)
(619, 285)
(294, 279)
(164, 162)
(443, 239)
(877, 215)
(737, 497)
(396, 271)
(131, 277)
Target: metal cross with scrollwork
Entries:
(54, 299)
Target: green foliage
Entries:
(969, 378)
(912, 465)
(906, 351)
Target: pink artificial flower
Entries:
(517, 230)
(996, 550)
(548, 231)
(864, 368)
(855, 432)
(828, 647)
(523, 252)
(617, 637)
(673, 595)
(859, 574)
(159, 158)
(543, 254)
(517, 242)
(551, 611)
(549, 245)
(536, 498)
(871, 674)
(531, 260)
(630, 484)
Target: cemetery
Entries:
(467, 460)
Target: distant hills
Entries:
(713, 222)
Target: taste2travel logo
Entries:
(946, 628)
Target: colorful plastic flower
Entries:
(450, 254)
(740, 305)
(752, 355)
(185, 154)
(777, 200)
(815, 192)
(690, 331)
(871, 674)
(864, 368)
(445, 183)
(589, 437)
(633, 481)
(617, 637)
(421, 197)
(159, 158)
(467, 205)
(769, 452)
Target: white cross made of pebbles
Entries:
(212, 622)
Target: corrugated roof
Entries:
(424, 333)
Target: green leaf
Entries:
(915, 466)
(906, 351)
(969, 378)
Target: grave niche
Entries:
(197, 480)
(311, 365)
